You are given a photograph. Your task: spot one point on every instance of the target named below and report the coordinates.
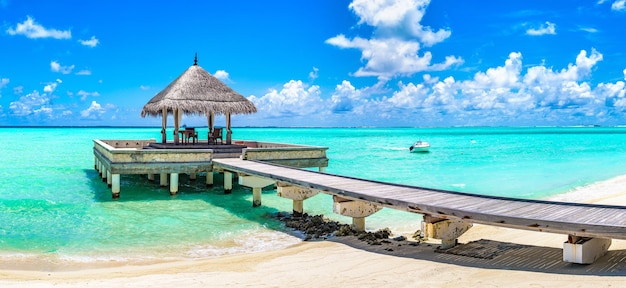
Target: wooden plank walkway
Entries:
(585, 220)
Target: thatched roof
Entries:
(196, 91)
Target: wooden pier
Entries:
(447, 214)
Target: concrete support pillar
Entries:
(447, 230)
(173, 183)
(228, 182)
(115, 186)
(322, 169)
(209, 178)
(104, 175)
(150, 177)
(358, 210)
(192, 176)
(101, 169)
(256, 196)
(297, 194)
(109, 178)
(95, 163)
(584, 250)
(257, 184)
(163, 179)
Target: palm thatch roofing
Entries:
(196, 91)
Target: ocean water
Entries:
(54, 208)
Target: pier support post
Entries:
(104, 175)
(322, 169)
(584, 250)
(150, 177)
(358, 210)
(173, 183)
(257, 184)
(447, 230)
(297, 194)
(192, 176)
(115, 186)
(163, 179)
(109, 178)
(209, 178)
(228, 182)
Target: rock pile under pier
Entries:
(317, 227)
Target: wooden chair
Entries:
(191, 133)
(216, 134)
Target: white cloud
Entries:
(624, 74)
(93, 42)
(29, 104)
(50, 87)
(387, 58)
(4, 82)
(94, 112)
(84, 94)
(222, 75)
(56, 67)
(144, 87)
(84, 72)
(346, 98)
(33, 30)
(547, 28)
(399, 37)
(618, 5)
(314, 74)
(294, 99)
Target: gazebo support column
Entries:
(150, 177)
(177, 112)
(163, 131)
(229, 133)
(297, 194)
(115, 186)
(358, 210)
(173, 183)
(192, 176)
(257, 184)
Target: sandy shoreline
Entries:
(522, 259)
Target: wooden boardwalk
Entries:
(584, 220)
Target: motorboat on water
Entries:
(420, 146)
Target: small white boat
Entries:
(420, 146)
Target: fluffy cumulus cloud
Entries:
(57, 67)
(93, 42)
(619, 5)
(34, 30)
(398, 41)
(93, 112)
(222, 75)
(547, 28)
(293, 100)
(31, 104)
(84, 94)
(509, 94)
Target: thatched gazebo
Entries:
(197, 92)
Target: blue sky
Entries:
(319, 62)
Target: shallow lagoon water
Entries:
(54, 207)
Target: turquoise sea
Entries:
(54, 208)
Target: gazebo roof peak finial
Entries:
(195, 60)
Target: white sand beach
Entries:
(522, 259)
